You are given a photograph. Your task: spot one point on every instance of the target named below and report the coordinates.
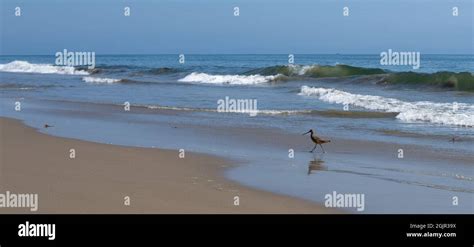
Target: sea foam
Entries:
(458, 114)
(26, 67)
(263, 112)
(98, 80)
(228, 79)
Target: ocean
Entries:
(346, 97)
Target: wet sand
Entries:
(423, 181)
(101, 177)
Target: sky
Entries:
(210, 27)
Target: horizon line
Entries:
(233, 54)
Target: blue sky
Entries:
(264, 26)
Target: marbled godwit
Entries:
(317, 141)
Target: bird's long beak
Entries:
(306, 133)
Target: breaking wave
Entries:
(317, 71)
(26, 67)
(229, 79)
(463, 81)
(458, 114)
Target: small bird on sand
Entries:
(47, 126)
(317, 141)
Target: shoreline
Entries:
(368, 167)
(101, 176)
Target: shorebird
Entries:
(317, 141)
(47, 126)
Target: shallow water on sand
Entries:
(421, 183)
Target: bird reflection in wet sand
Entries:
(317, 164)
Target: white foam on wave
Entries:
(263, 112)
(228, 79)
(283, 112)
(26, 67)
(301, 69)
(98, 80)
(458, 114)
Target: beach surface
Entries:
(403, 140)
(101, 177)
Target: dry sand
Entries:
(99, 178)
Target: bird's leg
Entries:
(322, 148)
(315, 146)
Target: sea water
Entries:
(340, 96)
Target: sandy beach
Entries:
(101, 176)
